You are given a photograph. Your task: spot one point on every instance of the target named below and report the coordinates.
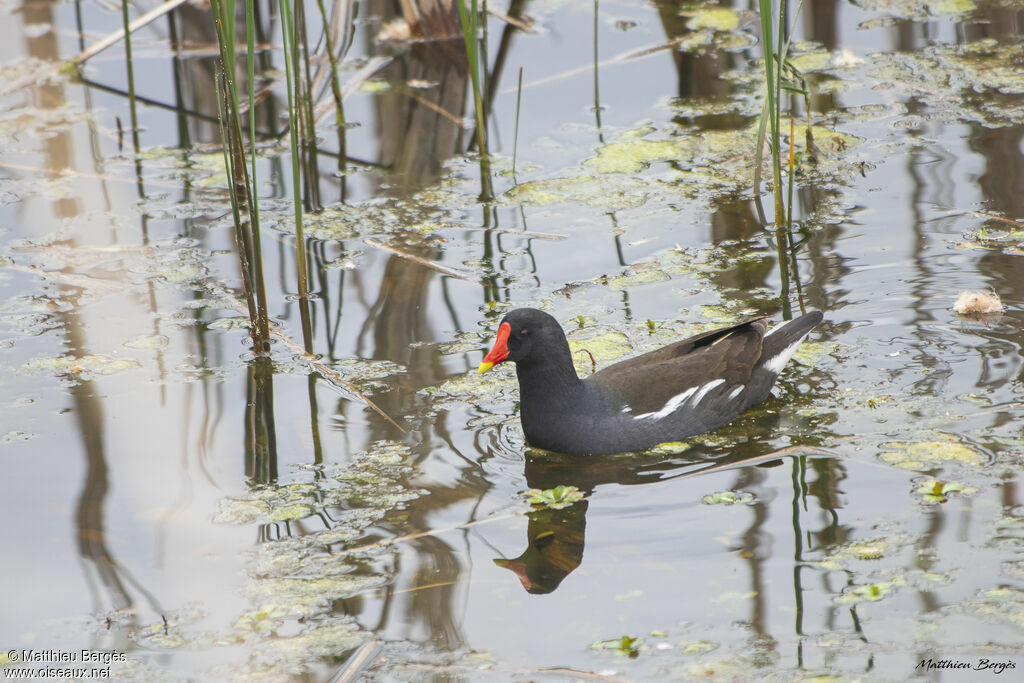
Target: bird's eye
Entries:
(524, 333)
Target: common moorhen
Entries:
(686, 388)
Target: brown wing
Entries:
(647, 383)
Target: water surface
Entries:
(214, 518)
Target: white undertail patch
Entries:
(779, 360)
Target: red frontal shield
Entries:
(499, 351)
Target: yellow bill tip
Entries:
(484, 367)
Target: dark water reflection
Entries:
(838, 562)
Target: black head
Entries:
(524, 335)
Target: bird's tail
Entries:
(780, 344)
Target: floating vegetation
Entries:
(636, 275)
(995, 238)
(716, 18)
(701, 163)
(624, 193)
(85, 367)
(807, 61)
(32, 124)
(694, 647)
(372, 480)
(230, 322)
(28, 325)
(1005, 605)
(35, 304)
(670, 448)
(554, 498)
(919, 9)
(176, 263)
(628, 646)
(263, 618)
(16, 435)
(304, 595)
(600, 343)
(719, 314)
(728, 498)
(924, 454)
(270, 504)
(872, 592)
(934, 491)
(938, 72)
(149, 341)
(296, 579)
(321, 577)
(839, 557)
(810, 353)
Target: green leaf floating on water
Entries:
(872, 592)
(598, 343)
(728, 498)
(715, 18)
(626, 645)
(85, 365)
(556, 498)
(933, 491)
(669, 448)
(922, 454)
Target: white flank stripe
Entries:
(626, 409)
(736, 392)
(679, 399)
(669, 407)
(705, 389)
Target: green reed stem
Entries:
(470, 30)
(515, 139)
(772, 73)
(254, 204)
(291, 54)
(131, 74)
(304, 105)
(339, 108)
(247, 236)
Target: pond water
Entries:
(196, 514)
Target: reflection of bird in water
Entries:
(683, 389)
(556, 536)
(555, 549)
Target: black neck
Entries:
(548, 380)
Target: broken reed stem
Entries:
(416, 259)
(146, 19)
(330, 375)
(373, 65)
